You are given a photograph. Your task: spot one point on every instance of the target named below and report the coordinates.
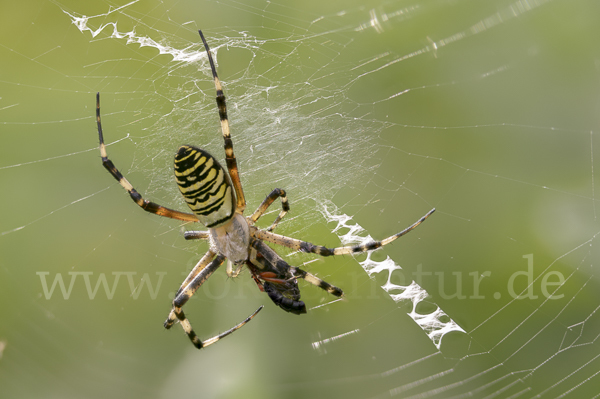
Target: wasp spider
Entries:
(216, 199)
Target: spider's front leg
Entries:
(305, 246)
(199, 274)
(186, 293)
(202, 263)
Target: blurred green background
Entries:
(485, 110)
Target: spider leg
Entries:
(186, 293)
(146, 205)
(202, 263)
(314, 280)
(196, 235)
(274, 259)
(276, 193)
(229, 156)
(304, 246)
(200, 272)
(187, 327)
(272, 264)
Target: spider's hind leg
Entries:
(229, 155)
(196, 235)
(285, 207)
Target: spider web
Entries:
(368, 114)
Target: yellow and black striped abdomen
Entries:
(205, 186)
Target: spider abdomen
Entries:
(205, 186)
(216, 197)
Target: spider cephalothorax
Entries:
(217, 200)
